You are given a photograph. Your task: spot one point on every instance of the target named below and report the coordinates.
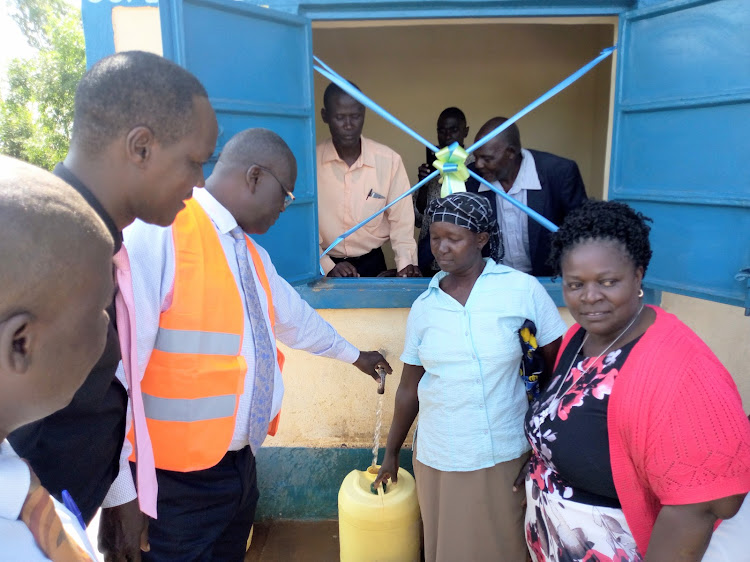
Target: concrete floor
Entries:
(281, 541)
(294, 541)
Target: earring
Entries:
(640, 294)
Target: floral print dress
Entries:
(572, 509)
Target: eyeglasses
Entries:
(288, 195)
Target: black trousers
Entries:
(207, 514)
(368, 265)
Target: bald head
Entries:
(256, 146)
(49, 232)
(55, 284)
(499, 159)
(132, 89)
(253, 178)
(510, 136)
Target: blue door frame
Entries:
(333, 10)
(255, 65)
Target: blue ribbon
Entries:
(345, 85)
(544, 221)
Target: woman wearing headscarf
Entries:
(461, 374)
(640, 443)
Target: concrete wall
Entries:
(724, 328)
(329, 404)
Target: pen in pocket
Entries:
(73, 508)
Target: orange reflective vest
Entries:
(195, 376)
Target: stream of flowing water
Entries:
(378, 425)
(378, 417)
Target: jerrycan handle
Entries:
(380, 491)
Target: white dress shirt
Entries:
(16, 541)
(151, 251)
(512, 221)
(472, 401)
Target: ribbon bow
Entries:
(451, 163)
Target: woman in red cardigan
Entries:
(641, 448)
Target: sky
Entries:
(12, 42)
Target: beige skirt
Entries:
(472, 516)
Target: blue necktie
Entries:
(265, 363)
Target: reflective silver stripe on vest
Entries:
(201, 343)
(188, 410)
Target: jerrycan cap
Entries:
(372, 473)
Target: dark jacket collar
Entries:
(70, 178)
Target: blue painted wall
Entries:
(303, 483)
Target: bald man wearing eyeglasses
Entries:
(209, 306)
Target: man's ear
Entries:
(252, 176)
(324, 115)
(140, 145)
(16, 343)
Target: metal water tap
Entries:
(381, 372)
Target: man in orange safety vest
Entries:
(208, 307)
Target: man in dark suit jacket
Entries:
(552, 186)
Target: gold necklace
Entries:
(606, 349)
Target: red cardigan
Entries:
(677, 430)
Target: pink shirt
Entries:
(677, 431)
(348, 195)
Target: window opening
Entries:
(485, 66)
(450, 161)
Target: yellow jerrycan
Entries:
(382, 526)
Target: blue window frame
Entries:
(680, 150)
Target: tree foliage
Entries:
(33, 17)
(36, 114)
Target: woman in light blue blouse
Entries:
(461, 374)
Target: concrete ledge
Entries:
(397, 292)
